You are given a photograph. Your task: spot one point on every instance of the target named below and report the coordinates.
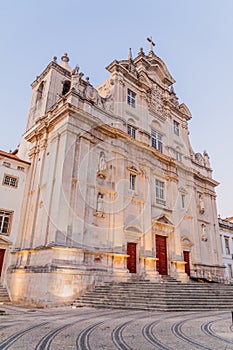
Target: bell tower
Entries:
(48, 87)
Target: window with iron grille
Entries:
(9, 180)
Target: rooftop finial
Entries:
(130, 54)
(65, 57)
(141, 51)
(151, 43)
(55, 59)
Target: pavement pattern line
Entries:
(108, 329)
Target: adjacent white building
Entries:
(226, 236)
(13, 171)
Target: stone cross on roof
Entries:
(151, 43)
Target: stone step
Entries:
(154, 301)
(168, 296)
(4, 297)
(178, 307)
(161, 298)
(163, 293)
(170, 285)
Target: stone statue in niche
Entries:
(203, 233)
(206, 159)
(201, 205)
(102, 162)
(100, 203)
(100, 206)
(102, 166)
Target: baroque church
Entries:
(114, 190)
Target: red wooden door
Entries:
(131, 260)
(187, 265)
(161, 254)
(2, 252)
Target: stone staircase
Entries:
(4, 297)
(169, 295)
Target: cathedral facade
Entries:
(114, 190)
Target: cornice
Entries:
(54, 65)
(204, 178)
(15, 159)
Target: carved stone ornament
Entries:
(199, 159)
(101, 174)
(206, 159)
(108, 104)
(154, 99)
(91, 94)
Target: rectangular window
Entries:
(132, 182)
(156, 140)
(159, 192)
(221, 244)
(227, 246)
(178, 156)
(131, 131)
(10, 181)
(6, 164)
(5, 221)
(176, 127)
(131, 97)
(183, 201)
(21, 168)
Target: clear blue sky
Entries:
(193, 37)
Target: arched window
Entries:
(66, 87)
(40, 91)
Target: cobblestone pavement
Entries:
(87, 328)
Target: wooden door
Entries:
(2, 252)
(161, 254)
(131, 260)
(187, 265)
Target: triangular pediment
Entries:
(164, 219)
(5, 241)
(182, 190)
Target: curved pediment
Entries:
(186, 241)
(133, 228)
(185, 111)
(158, 71)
